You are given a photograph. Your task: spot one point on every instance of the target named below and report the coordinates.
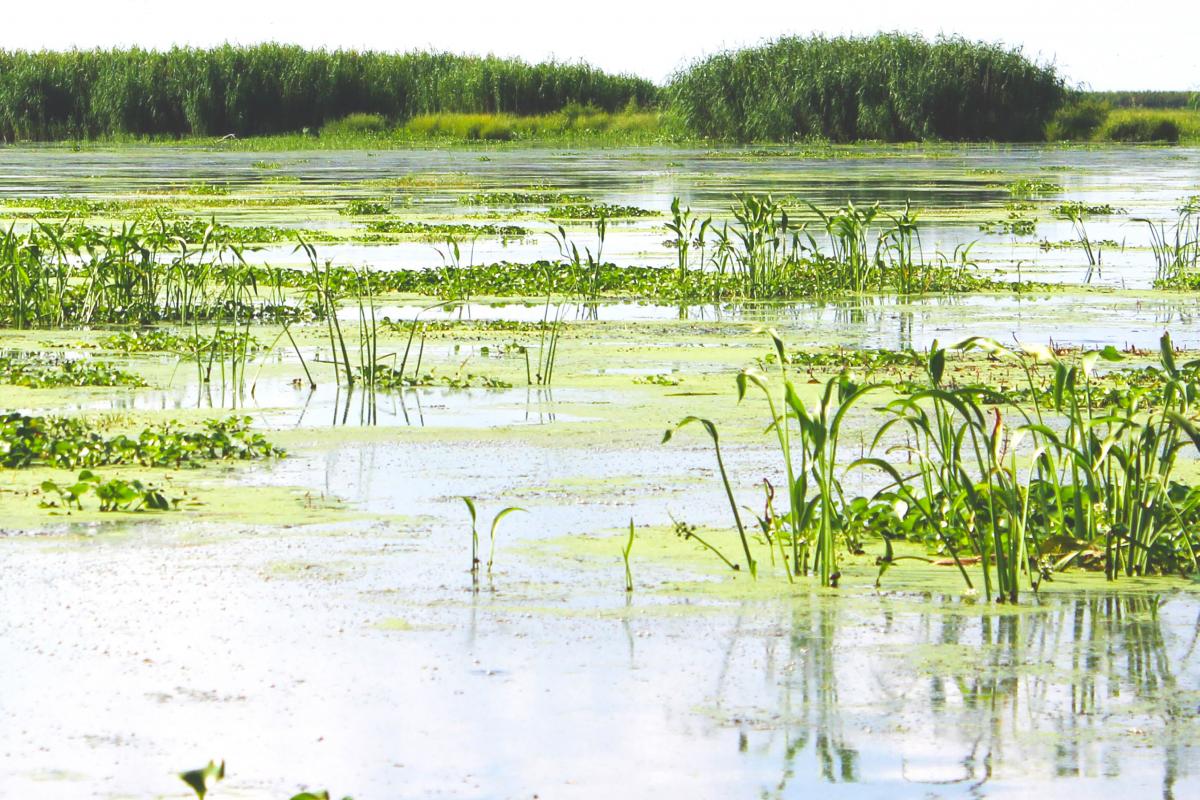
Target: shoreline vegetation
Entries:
(888, 88)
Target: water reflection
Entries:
(282, 404)
(966, 702)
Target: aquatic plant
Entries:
(688, 230)
(365, 208)
(1014, 224)
(114, 494)
(1073, 208)
(200, 780)
(59, 274)
(27, 441)
(1176, 249)
(1078, 119)
(442, 230)
(530, 197)
(1093, 250)
(500, 515)
(573, 123)
(711, 430)
(1147, 125)
(1021, 485)
(810, 456)
(626, 551)
(597, 211)
(1031, 187)
(40, 371)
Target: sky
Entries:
(1099, 44)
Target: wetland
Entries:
(925, 522)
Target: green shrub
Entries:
(355, 125)
(1138, 125)
(1078, 120)
(892, 87)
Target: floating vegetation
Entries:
(659, 380)
(1031, 187)
(387, 378)
(458, 230)
(1077, 208)
(1046, 245)
(203, 188)
(846, 359)
(27, 441)
(597, 211)
(39, 371)
(74, 206)
(158, 340)
(366, 208)
(1015, 225)
(523, 198)
(114, 494)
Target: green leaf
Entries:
(200, 780)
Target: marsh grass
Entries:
(271, 88)
(1176, 248)
(1018, 487)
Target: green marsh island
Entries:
(820, 421)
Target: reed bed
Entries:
(891, 87)
(272, 88)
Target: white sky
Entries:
(1105, 44)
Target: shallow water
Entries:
(1075, 318)
(955, 187)
(387, 677)
(353, 654)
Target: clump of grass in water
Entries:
(1021, 492)
(1176, 249)
(810, 457)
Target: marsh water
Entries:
(313, 620)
